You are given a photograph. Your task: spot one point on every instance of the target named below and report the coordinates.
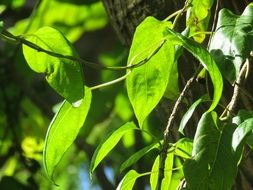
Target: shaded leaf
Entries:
(136, 156)
(146, 84)
(233, 41)
(110, 142)
(205, 145)
(189, 113)
(62, 132)
(242, 131)
(213, 164)
(224, 168)
(198, 18)
(63, 75)
(206, 60)
(241, 116)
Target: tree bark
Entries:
(125, 15)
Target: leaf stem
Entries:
(111, 82)
(10, 37)
(181, 11)
(173, 15)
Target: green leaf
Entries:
(213, 164)
(147, 83)
(63, 75)
(206, 60)
(1, 26)
(241, 116)
(172, 172)
(198, 18)
(177, 175)
(62, 132)
(224, 169)
(110, 142)
(183, 148)
(128, 181)
(233, 41)
(136, 156)
(204, 151)
(154, 174)
(190, 112)
(242, 131)
(168, 168)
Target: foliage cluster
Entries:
(106, 113)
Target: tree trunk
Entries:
(125, 15)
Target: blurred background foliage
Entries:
(27, 103)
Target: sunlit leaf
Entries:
(154, 174)
(189, 113)
(172, 172)
(241, 132)
(233, 41)
(198, 18)
(146, 84)
(183, 148)
(63, 131)
(136, 156)
(168, 168)
(110, 142)
(128, 181)
(206, 60)
(177, 175)
(79, 2)
(213, 164)
(63, 75)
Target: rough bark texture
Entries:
(125, 15)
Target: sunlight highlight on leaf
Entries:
(63, 75)
(62, 132)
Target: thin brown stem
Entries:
(234, 100)
(165, 145)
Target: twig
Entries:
(111, 82)
(181, 11)
(233, 102)
(7, 35)
(170, 123)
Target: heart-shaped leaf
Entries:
(147, 83)
(63, 75)
(233, 41)
(213, 164)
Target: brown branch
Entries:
(165, 145)
(234, 100)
